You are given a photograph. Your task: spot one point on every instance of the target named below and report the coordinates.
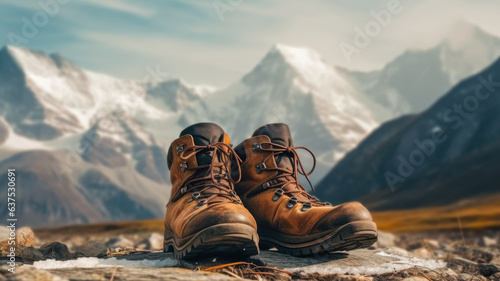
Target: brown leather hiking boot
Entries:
(204, 215)
(289, 218)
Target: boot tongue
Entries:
(204, 134)
(279, 133)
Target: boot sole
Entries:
(218, 240)
(351, 236)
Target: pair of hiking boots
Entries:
(224, 200)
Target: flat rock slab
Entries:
(364, 262)
(28, 273)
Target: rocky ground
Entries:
(453, 255)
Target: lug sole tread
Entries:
(347, 238)
(218, 240)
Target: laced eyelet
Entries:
(277, 194)
(266, 185)
(260, 168)
(200, 204)
(256, 146)
(194, 196)
(306, 206)
(179, 149)
(183, 166)
(184, 190)
(328, 203)
(233, 193)
(237, 201)
(291, 202)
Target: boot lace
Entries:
(213, 184)
(286, 177)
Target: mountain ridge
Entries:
(362, 175)
(415, 79)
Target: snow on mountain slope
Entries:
(175, 94)
(417, 78)
(15, 142)
(59, 97)
(4, 131)
(294, 86)
(467, 50)
(115, 142)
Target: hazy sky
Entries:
(198, 41)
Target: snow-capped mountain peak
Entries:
(299, 58)
(35, 62)
(47, 75)
(294, 86)
(467, 49)
(306, 70)
(417, 78)
(301, 62)
(176, 94)
(463, 33)
(302, 66)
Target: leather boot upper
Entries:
(202, 192)
(271, 191)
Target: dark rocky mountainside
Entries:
(55, 192)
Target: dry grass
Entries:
(251, 271)
(108, 229)
(476, 213)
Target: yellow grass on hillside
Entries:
(475, 213)
(107, 229)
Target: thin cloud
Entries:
(123, 7)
